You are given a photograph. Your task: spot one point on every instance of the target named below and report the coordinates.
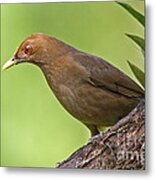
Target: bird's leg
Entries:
(93, 129)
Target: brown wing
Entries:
(106, 76)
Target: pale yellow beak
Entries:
(9, 63)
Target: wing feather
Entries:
(104, 75)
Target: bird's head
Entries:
(38, 49)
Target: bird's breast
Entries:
(90, 104)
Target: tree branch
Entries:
(120, 147)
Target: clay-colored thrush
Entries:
(88, 87)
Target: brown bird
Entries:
(88, 87)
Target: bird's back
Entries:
(94, 91)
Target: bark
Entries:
(120, 147)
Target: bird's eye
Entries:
(28, 50)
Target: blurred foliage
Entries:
(133, 12)
(138, 73)
(138, 40)
(35, 129)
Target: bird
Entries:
(91, 89)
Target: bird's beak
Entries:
(11, 62)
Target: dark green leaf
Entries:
(133, 12)
(138, 40)
(139, 74)
(143, 52)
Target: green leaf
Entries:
(138, 40)
(139, 74)
(133, 12)
(143, 52)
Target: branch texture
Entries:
(120, 147)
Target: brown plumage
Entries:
(89, 88)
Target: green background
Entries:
(35, 129)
